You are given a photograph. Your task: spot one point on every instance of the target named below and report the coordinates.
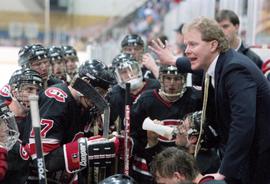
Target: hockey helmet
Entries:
(132, 40)
(173, 83)
(25, 75)
(118, 179)
(8, 127)
(93, 81)
(127, 70)
(24, 82)
(69, 51)
(97, 73)
(55, 53)
(31, 53)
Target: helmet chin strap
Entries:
(172, 97)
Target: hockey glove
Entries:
(89, 152)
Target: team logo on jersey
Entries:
(56, 93)
(5, 91)
(23, 152)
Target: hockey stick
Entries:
(127, 129)
(38, 142)
(106, 122)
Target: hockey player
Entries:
(23, 82)
(57, 61)
(127, 69)
(169, 104)
(187, 137)
(36, 58)
(72, 60)
(66, 118)
(134, 45)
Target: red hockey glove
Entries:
(93, 151)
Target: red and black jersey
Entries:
(53, 80)
(61, 118)
(116, 99)
(5, 94)
(150, 104)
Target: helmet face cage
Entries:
(9, 133)
(173, 83)
(127, 69)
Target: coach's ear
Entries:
(213, 45)
(178, 176)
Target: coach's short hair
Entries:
(210, 30)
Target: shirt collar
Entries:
(211, 69)
(239, 45)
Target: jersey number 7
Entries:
(46, 125)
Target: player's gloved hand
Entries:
(3, 162)
(121, 151)
(93, 151)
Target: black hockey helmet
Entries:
(169, 70)
(93, 81)
(118, 179)
(69, 51)
(55, 53)
(122, 58)
(8, 126)
(97, 73)
(127, 64)
(31, 53)
(132, 40)
(25, 75)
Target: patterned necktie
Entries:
(205, 98)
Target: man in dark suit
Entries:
(229, 22)
(240, 105)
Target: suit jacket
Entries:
(242, 118)
(251, 55)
